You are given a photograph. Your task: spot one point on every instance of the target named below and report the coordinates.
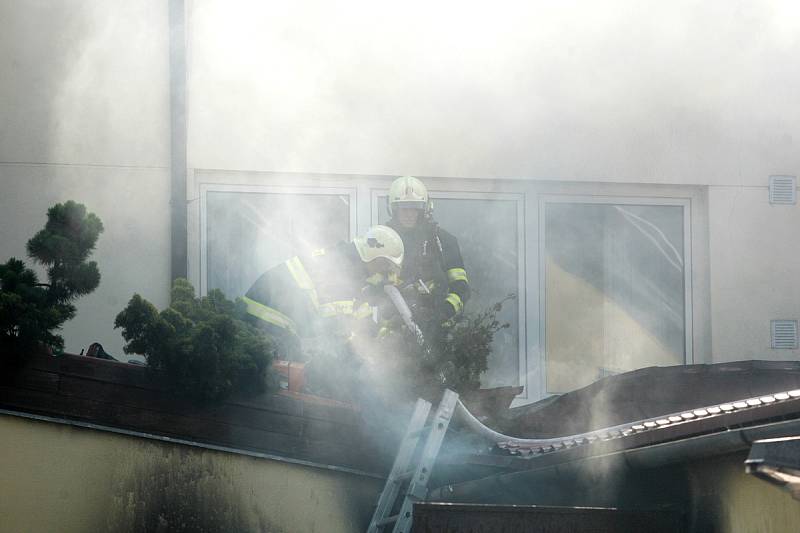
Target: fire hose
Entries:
(532, 446)
(405, 312)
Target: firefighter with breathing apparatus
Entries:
(309, 296)
(433, 277)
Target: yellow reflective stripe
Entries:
(335, 308)
(298, 272)
(318, 252)
(364, 310)
(375, 279)
(457, 274)
(455, 301)
(302, 279)
(268, 314)
(378, 278)
(345, 307)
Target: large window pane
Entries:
(250, 232)
(614, 282)
(487, 232)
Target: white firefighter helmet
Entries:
(380, 241)
(408, 191)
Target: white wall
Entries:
(84, 109)
(755, 271)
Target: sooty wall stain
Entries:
(180, 491)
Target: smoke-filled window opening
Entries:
(615, 287)
(248, 230)
(243, 223)
(490, 231)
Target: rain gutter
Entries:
(564, 466)
(177, 122)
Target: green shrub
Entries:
(30, 312)
(454, 356)
(203, 347)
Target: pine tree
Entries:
(31, 312)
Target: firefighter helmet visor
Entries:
(408, 191)
(380, 242)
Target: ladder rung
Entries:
(422, 460)
(419, 432)
(402, 476)
(387, 520)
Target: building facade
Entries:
(611, 168)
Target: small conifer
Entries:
(203, 347)
(31, 312)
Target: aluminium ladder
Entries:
(405, 472)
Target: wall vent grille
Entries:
(784, 334)
(783, 190)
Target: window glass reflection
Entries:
(250, 232)
(614, 289)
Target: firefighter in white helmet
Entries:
(433, 260)
(289, 300)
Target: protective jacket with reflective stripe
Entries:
(434, 256)
(293, 296)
